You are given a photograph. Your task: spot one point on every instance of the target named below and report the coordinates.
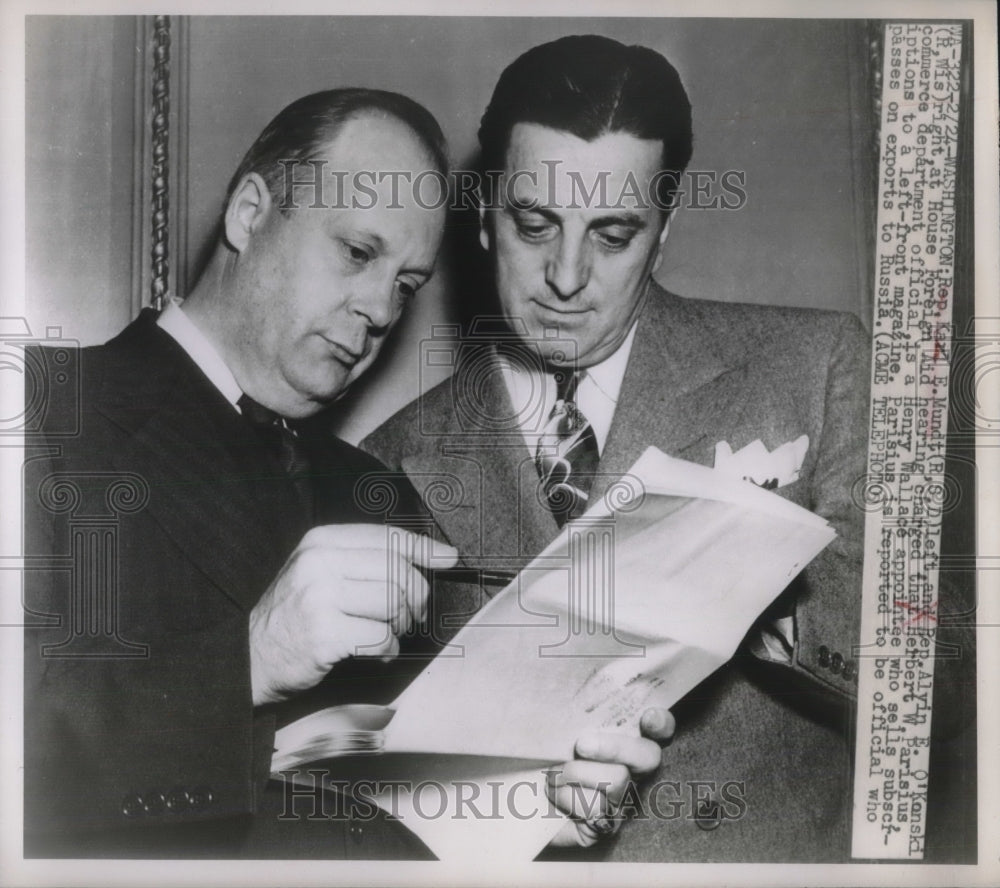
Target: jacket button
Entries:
(177, 800)
(824, 656)
(154, 802)
(132, 805)
(848, 670)
(708, 815)
(837, 664)
(200, 798)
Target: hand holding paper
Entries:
(590, 788)
(627, 610)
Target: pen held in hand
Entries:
(497, 578)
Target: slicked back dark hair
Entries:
(303, 130)
(589, 86)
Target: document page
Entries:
(632, 606)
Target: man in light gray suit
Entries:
(594, 363)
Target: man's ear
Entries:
(247, 209)
(663, 239)
(484, 234)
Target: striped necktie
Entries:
(567, 453)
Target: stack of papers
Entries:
(339, 730)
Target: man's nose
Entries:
(567, 271)
(375, 302)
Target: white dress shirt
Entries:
(596, 395)
(172, 320)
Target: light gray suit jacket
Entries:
(760, 768)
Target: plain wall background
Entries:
(783, 100)
(79, 136)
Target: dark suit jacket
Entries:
(699, 373)
(153, 529)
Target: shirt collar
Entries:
(174, 321)
(596, 396)
(607, 376)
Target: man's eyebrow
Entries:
(377, 240)
(627, 220)
(533, 207)
(424, 271)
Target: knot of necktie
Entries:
(259, 416)
(567, 382)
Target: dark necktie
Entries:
(567, 454)
(283, 443)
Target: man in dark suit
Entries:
(212, 563)
(595, 363)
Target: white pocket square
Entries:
(754, 463)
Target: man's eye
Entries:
(613, 242)
(407, 289)
(533, 232)
(357, 255)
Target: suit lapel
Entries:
(213, 489)
(677, 394)
(490, 474)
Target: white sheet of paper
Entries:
(628, 608)
(588, 640)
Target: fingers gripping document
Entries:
(631, 606)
